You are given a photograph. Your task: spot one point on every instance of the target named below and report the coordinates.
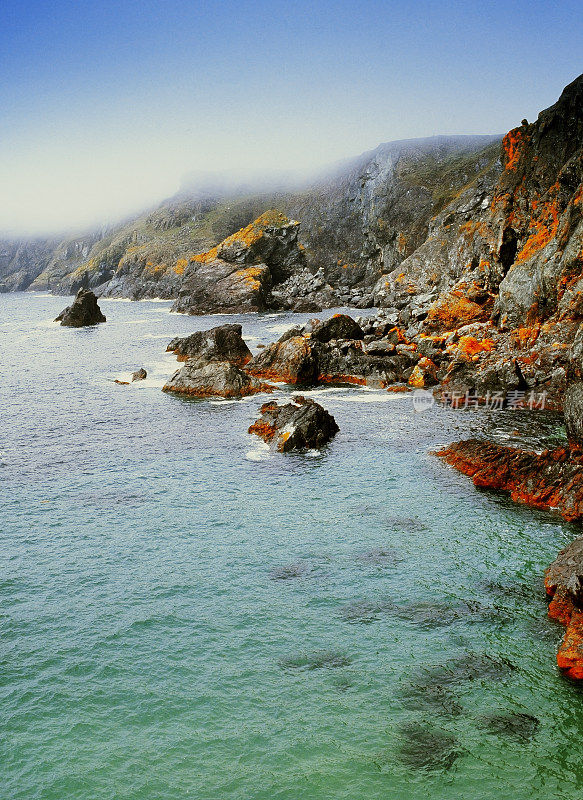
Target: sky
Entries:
(105, 106)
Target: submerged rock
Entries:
(430, 699)
(223, 343)
(214, 379)
(467, 668)
(323, 659)
(83, 312)
(303, 424)
(290, 571)
(520, 727)
(426, 748)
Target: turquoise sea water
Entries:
(185, 614)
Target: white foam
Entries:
(281, 328)
(260, 452)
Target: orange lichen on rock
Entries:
(551, 479)
(181, 265)
(570, 653)
(454, 310)
(563, 585)
(352, 379)
(469, 346)
(424, 374)
(263, 429)
(542, 229)
(250, 276)
(205, 258)
(253, 232)
(513, 144)
(526, 337)
(470, 228)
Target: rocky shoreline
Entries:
(479, 299)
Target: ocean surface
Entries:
(184, 613)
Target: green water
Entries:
(185, 614)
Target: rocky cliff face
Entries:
(506, 257)
(356, 224)
(444, 232)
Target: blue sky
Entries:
(105, 105)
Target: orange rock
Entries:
(570, 653)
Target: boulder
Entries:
(300, 425)
(316, 354)
(199, 378)
(340, 326)
(223, 343)
(139, 375)
(291, 359)
(238, 274)
(83, 312)
(573, 410)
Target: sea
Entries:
(185, 613)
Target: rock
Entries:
(139, 375)
(238, 274)
(552, 479)
(223, 343)
(213, 379)
(303, 424)
(121, 383)
(424, 374)
(313, 355)
(291, 359)
(564, 584)
(83, 312)
(340, 326)
(573, 410)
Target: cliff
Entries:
(356, 224)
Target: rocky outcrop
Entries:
(199, 378)
(358, 222)
(22, 260)
(564, 584)
(333, 351)
(223, 343)
(83, 312)
(552, 479)
(301, 425)
(237, 275)
(213, 368)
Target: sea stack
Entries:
(83, 312)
